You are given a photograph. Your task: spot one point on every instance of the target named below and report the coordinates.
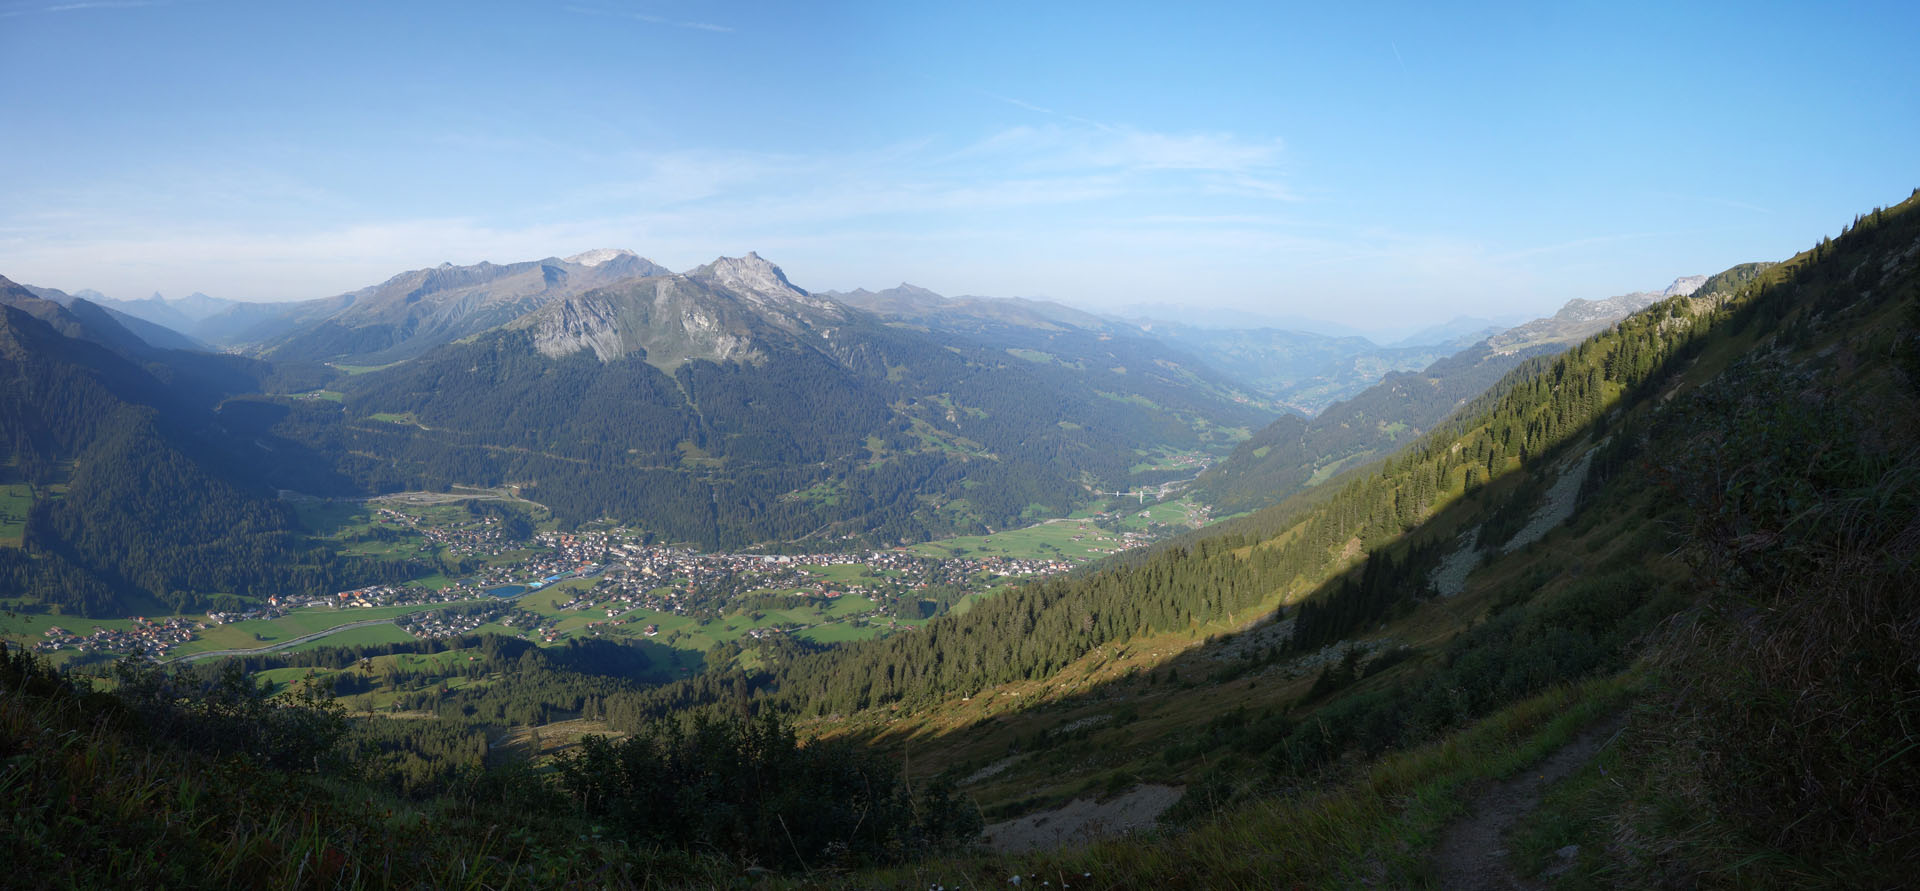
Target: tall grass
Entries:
(1375, 829)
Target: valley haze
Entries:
(734, 443)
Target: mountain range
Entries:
(1294, 452)
(727, 406)
(1638, 614)
(722, 407)
(137, 497)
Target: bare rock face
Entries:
(756, 280)
(666, 320)
(416, 310)
(1580, 318)
(575, 325)
(749, 276)
(1579, 311)
(1684, 286)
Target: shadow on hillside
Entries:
(1407, 663)
(1143, 710)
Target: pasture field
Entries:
(27, 629)
(15, 500)
(840, 632)
(329, 518)
(1169, 459)
(1061, 539)
(241, 635)
(279, 680)
(30, 626)
(356, 527)
(1177, 512)
(356, 637)
(361, 369)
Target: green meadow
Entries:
(15, 500)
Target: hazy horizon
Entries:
(1404, 164)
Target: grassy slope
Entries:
(1369, 831)
(1359, 821)
(1140, 721)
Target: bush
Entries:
(1794, 681)
(748, 788)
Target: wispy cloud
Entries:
(1018, 103)
(1232, 165)
(82, 5)
(648, 18)
(1051, 165)
(925, 208)
(998, 193)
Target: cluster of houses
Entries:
(274, 609)
(480, 537)
(453, 623)
(370, 596)
(682, 581)
(148, 637)
(637, 575)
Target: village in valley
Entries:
(514, 574)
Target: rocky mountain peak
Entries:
(750, 276)
(911, 290)
(1684, 286)
(1579, 310)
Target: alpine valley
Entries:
(579, 572)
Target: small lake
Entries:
(508, 590)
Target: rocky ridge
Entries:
(1580, 318)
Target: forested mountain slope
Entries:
(1536, 541)
(136, 498)
(151, 333)
(1701, 519)
(1296, 452)
(1115, 358)
(727, 407)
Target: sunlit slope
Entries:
(1519, 546)
(1693, 565)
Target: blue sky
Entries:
(1375, 165)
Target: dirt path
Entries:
(1472, 854)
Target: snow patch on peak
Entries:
(598, 256)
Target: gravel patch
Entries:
(1252, 641)
(1450, 577)
(992, 770)
(1560, 502)
(1083, 819)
